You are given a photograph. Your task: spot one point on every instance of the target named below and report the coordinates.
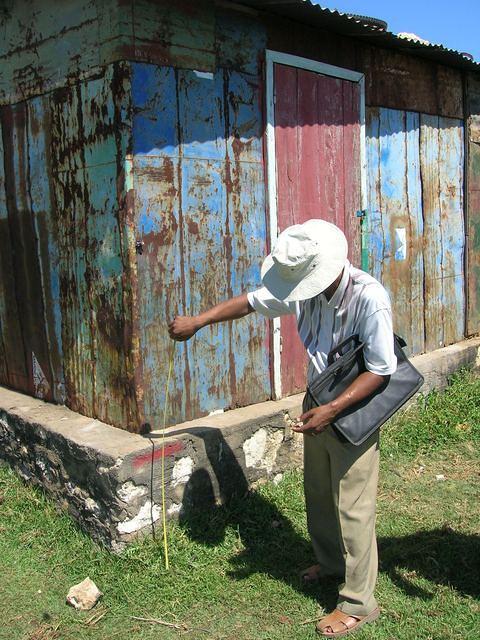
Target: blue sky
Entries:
(455, 24)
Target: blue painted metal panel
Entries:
(200, 211)
(244, 117)
(46, 235)
(433, 246)
(12, 358)
(204, 208)
(98, 121)
(160, 290)
(155, 122)
(394, 215)
(415, 178)
(451, 140)
(202, 114)
(22, 251)
(415, 244)
(373, 224)
(245, 238)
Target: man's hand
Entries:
(183, 327)
(316, 420)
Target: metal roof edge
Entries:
(353, 26)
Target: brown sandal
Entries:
(338, 623)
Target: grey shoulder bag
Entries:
(345, 363)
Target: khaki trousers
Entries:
(340, 491)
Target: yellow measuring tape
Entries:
(165, 408)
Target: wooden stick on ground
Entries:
(172, 625)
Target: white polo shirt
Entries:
(323, 324)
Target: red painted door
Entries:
(317, 154)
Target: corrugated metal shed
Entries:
(155, 137)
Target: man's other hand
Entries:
(316, 420)
(183, 327)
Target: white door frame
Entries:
(273, 57)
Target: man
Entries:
(308, 274)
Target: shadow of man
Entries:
(219, 498)
(442, 556)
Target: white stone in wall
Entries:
(261, 449)
(182, 471)
(477, 359)
(129, 491)
(254, 448)
(92, 506)
(174, 508)
(117, 465)
(142, 519)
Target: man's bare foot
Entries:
(311, 575)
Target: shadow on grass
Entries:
(442, 556)
(272, 545)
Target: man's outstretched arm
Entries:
(184, 327)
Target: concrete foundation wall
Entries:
(109, 480)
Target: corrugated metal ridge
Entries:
(346, 24)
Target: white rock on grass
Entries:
(84, 595)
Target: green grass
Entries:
(234, 571)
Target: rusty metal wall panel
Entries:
(240, 41)
(404, 82)
(90, 124)
(45, 225)
(441, 152)
(433, 250)
(13, 364)
(473, 202)
(182, 33)
(26, 275)
(203, 195)
(415, 173)
(199, 192)
(393, 79)
(451, 172)
(30, 258)
(67, 249)
(245, 240)
(45, 46)
(160, 291)
(156, 180)
(395, 209)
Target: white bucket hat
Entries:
(306, 259)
